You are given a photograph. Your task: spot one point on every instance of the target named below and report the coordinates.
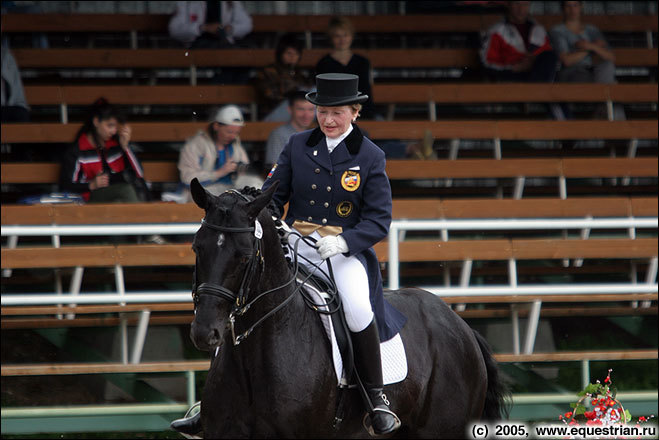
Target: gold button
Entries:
(309, 219)
(329, 188)
(326, 204)
(312, 202)
(314, 186)
(324, 221)
(317, 170)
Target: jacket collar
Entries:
(353, 141)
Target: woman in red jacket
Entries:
(100, 164)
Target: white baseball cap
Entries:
(229, 115)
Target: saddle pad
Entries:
(392, 352)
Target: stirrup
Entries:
(191, 413)
(368, 425)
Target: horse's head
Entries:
(228, 248)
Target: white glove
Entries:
(331, 245)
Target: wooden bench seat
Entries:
(258, 58)
(409, 251)
(9, 370)
(412, 23)
(259, 131)
(382, 93)
(43, 172)
(158, 212)
(391, 94)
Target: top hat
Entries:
(334, 89)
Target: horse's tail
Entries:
(497, 397)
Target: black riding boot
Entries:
(188, 425)
(366, 346)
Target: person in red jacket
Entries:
(518, 48)
(100, 164)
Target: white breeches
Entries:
(351, 281)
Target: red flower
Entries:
(642, 419)
(607, 380)
(589, 414)
(568, 414)
(594, 402)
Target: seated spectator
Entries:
(14, 104)
(584, 53)
(302, 114)
(209, 24)
(342, 60)
(518, 48)
(277, 80)
(100, 164)
(216, 156)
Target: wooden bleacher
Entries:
(10, 370)
(256, 58)
(391, 94)
(430, 23)
(48, 173)
(259, 131)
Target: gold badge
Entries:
(350, 180)
(344, 209)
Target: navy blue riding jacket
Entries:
(347, 188)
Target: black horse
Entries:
(279, 380)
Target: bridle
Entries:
(251, 276)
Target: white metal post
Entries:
(119, 281)
(12, 241)
(514, 318)
(519, 187)
(123, 334)
(140, 336)
(74, 288)
(532, 326)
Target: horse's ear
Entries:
(256, 205)
(199, 194)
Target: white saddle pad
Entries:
(392, 352)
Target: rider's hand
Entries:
(331, 245)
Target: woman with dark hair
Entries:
(277, 80)
(100, 164)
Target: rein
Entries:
(239, 300)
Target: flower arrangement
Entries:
(605, 410)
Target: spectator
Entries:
(100, 164)
(216, 157)
(277, 80)
(518, 48)
(14, 104)
(302, 114)
(583, 52)
(209, 24)
(342, 60)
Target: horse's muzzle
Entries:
(204, 337)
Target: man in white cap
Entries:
(216, 156)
